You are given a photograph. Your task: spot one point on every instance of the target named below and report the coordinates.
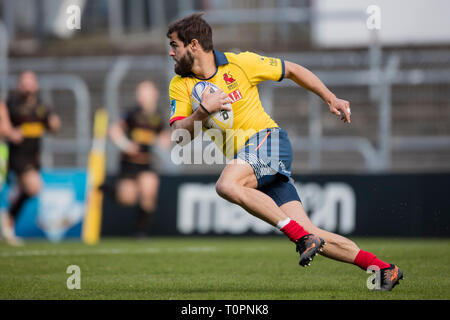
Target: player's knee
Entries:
(148, 178)
(33, 189)
(148, 185)
(127, 198)
(226, 189)
(127, 194)
(220, 189)
(31, 183)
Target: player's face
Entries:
(184, 60)
(147, 96)
(28, 83)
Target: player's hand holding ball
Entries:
(215, 101)
(341, 108)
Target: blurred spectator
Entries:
(135, 134)
(25, 122)
(4, 151)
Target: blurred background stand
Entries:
(397, 76)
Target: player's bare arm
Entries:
(211, 102)
(13, 135)
(118, 136)
(5, 124)
(308, 80)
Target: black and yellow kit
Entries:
(31, 117)
(141, 128)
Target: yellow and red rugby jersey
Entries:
(238, 76)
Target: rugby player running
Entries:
(256, 178)
(27, 121)
(136, 133)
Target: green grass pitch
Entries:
(186, 268)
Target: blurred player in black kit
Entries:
(27, 122)
(135, 134)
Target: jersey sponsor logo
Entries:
(236, 95)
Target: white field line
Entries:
(30, 253)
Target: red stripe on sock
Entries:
(294, 231)
(365, 259)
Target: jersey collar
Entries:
(220, 59)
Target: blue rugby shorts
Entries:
(269, 153)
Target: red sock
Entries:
(365, 259)
(294, 231)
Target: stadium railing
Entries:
(337, 69)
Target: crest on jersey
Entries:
(229, 80)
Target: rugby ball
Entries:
(221, 120)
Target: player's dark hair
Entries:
(193, 27)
